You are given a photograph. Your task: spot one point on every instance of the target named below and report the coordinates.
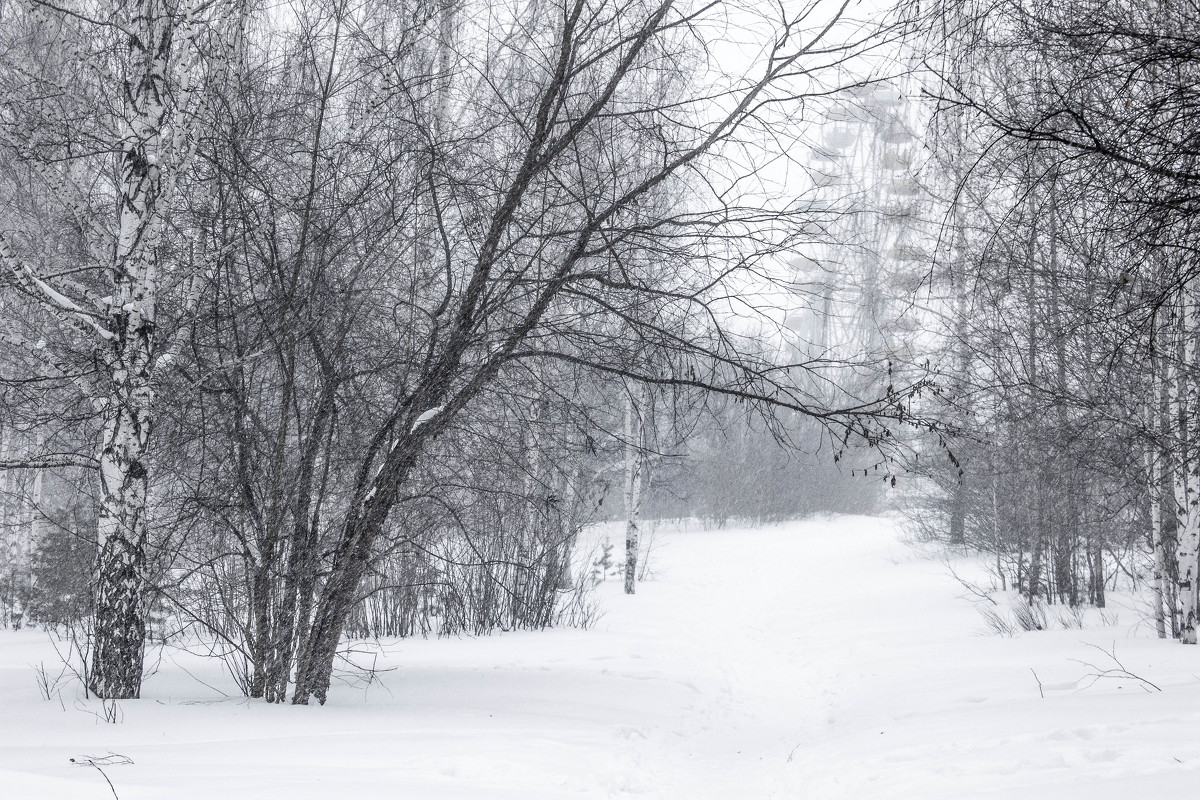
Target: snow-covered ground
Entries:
(814, 660)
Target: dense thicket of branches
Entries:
(337, 317)
(1066, 137)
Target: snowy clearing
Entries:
(822, 659)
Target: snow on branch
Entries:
(426, 416)
(67, 308)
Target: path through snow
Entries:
(820, 660)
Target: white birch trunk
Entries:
(1156, 524)
(996, 529)
(1186, 469)
(120, 627)
(1154, 483)
(34, 533)
(635, 447)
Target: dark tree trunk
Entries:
(338, 595)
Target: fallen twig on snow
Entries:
(1119, 672)
(112, 759)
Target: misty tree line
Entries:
(1065, 164)
(330, 318)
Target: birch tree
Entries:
(100, 103)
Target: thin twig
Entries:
(108, 761)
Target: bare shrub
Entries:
(1029, 616)
(50, 685)
(997, 622)
(1070, 617)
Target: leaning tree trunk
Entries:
(314, 666)
(339, 593)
